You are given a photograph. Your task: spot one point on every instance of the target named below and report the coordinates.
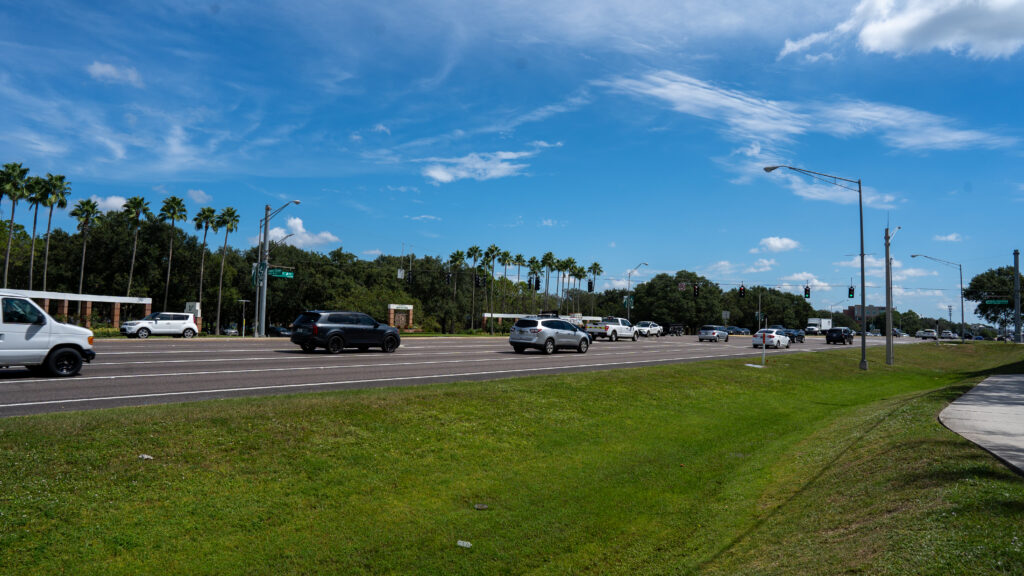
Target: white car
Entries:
(161, 323)
(929, 335)
(770, 337)
(648, 328)
(30, 337)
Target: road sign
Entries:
(725, 315)
(279, 273)
(997, 302)
(627, 301)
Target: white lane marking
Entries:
(339, 382)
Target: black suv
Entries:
(337, 330)
(839, 336)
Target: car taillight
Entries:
(316, 330)
(534, 330)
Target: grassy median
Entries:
(809, 466)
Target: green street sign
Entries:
(279, 273)
(997, 302)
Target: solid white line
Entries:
(340, 382)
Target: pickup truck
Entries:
(30, 337)
(613, 329)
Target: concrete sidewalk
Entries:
(992, 416)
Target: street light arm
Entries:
(278, 211)
(813, 174)
(940, 260)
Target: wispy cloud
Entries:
(797, 281)
(718, 269)
(775, 244)
(375, 252)
(761, 265)
(484, 166)
(951, 237)
(979, 28)
(114, 74)
(199, 196)
(425, 218)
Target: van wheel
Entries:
(335, 345)
(64, 362)
(188, 333)
(142, 333)
(549, 347)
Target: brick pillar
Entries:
(149, 309)
(62, 307)
(86, 313)
(391, 316)
(116, 316)
(410, 318)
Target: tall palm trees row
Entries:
(487, 260)
(53, 191)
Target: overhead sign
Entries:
(997, 302)
(280, 273)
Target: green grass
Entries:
(809, 466)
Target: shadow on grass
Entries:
(1012, 368)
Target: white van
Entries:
(30, 337)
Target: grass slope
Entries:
(809, 466)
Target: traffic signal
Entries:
(807, 291)
(536, 284)
(590, 285)
(743, 291)
(851, 292)
(696, 290)
(477, 281)
(448, 278)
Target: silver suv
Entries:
(547, 335)
(165, 323)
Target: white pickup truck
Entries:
(30, 337)
(613, 329)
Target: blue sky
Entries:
(607, 131)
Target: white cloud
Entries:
(374, 252)
(549, 222)
(301, 238)
(485, 166)
(762, 265)
(611, 244)
(775, 244)
(116, 75)
(720, 268)
(981, 28)
(869, 262)
(900, 275)
(952, 237)
(199, 196)
(382, 128)
(796, 282)
(110, 203)
(425, 218)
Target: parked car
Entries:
(335, 330)
(839, 336)
(675, 330)
(161, 323)
(229, 331)
(948, 335)
(737, 331)
(648, 328)
(712, 333)
(770, 338)
(30, 337)
(795, 335)
(547, 335)
(929, 335)
(279, 331)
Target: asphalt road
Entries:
(161, 370)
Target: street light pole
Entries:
(244, 302)
(834, 180)
(629, 287)
(889, 358)
(265, 263)
(961, 268)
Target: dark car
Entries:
(675, 330)
(336, 330)
(795, 335)
(280, 331)
(839, 336)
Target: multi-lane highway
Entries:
(160, 370)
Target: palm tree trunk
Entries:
(220, 286)
(32, 256)
(81, 275)
(202, 262)
(10, 237)
(170, 255)
(131, 269)
(46, 253)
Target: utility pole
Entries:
(889, 357)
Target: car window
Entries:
(19, 311)
(707, 328)
(163, 317)
(365, 320)
(182, 317)
(523, 323)
(307, 318)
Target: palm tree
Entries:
(548, 261)
(135, 207)
(474, 253)
(565, 267)
(38, 191)
(86, 211)
(228, 220)
(595, 270)
(505, 258)
(204, 220)
(455, 261)
(580, 273)
(12, 184)
(60, 189)
(173, 210)
(535, 267)
(519, 261)
(491, 258)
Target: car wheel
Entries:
(614, 336)
(389, 345)
(308, 347)
(549, 347)
(518, 349)
(584, 346)
(726, 337)
(188, 333)
(635, 337)
(142, 333)
(64, 362)
(335, 345)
